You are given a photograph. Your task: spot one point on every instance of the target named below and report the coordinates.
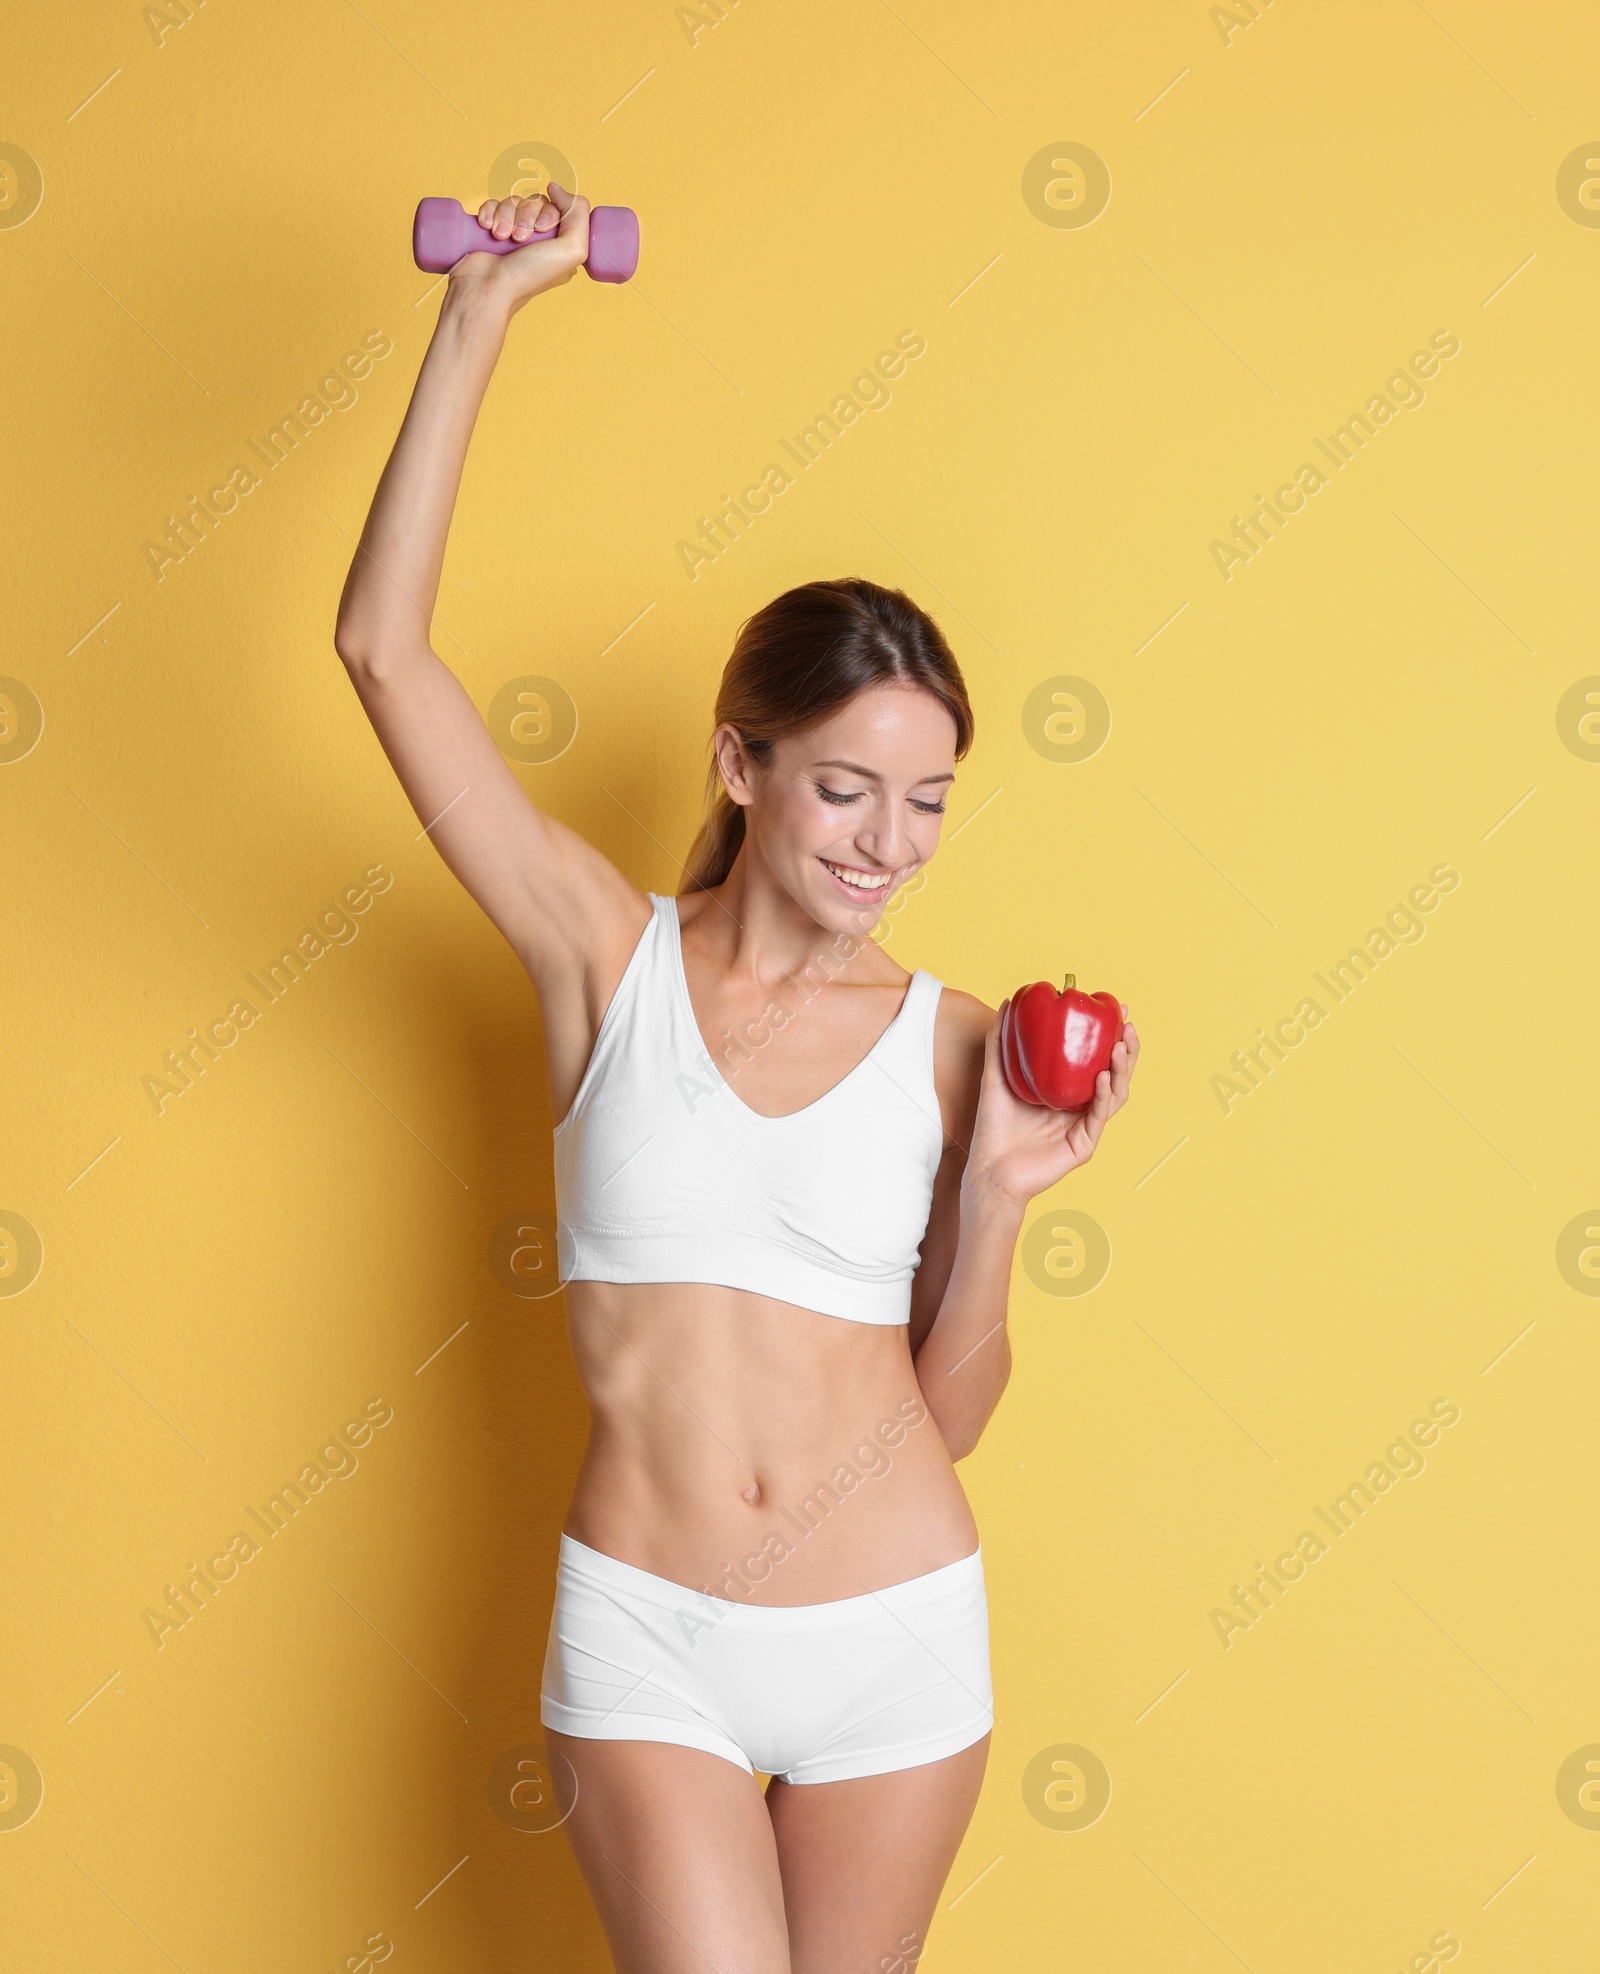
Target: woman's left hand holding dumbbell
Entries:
(509, 280)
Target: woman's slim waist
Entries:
(862, 1517)
(694, 1449)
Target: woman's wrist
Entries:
(473, 316)
(986, 1203)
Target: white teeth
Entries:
(861, 880)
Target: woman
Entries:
(789, 1185)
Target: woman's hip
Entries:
(880, 1679)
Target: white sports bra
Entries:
(664, 1174)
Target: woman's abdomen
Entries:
(760, 1451)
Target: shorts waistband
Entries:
(946, 1585)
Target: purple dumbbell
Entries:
(443, 231)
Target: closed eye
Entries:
(843, 797)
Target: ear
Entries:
(735, 764)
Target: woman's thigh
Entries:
(677, 1851)
(863, 1862)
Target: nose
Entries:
(885, 839)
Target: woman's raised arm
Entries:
(569, 914)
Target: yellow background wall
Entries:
(1394, 1750)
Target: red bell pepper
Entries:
(1053, 1045)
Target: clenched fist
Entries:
(509, 280)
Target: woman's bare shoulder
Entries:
(960, 1031)
(963, 1019)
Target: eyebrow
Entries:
(855, 768)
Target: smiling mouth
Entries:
(860, 883)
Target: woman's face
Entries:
(851, 807)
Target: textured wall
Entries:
(1224, 381)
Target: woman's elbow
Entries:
(964, 1435)
(355, 644)
(348, 640)
(367, 653)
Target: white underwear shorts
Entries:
(810, 1692)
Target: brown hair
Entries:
(798, 659)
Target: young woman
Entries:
(790, 1178)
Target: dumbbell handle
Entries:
(443, 231)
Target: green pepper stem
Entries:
(1068, 983)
